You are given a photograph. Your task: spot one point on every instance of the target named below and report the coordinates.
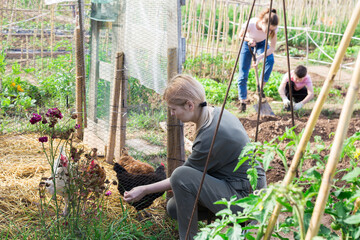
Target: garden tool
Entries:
(265, 108)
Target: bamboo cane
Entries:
(27, 50)
(1, 34)
(52, 21)
(190, 19)
(79, 79)
(334, 156)
(218, 36)
(316, 111)
(114, 109)
(123, 111)
(194, 30)
(11, 21)
(201, 26)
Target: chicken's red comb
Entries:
(162, 164)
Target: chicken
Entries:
(127, 181)
(132, 165)
(91, 178)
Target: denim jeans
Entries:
(245, 61)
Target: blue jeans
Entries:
(245, 61)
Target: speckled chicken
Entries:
(132, 165)
(92, 179)
(127, 181)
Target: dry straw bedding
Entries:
(23, 164)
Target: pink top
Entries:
(298, 85)
(253, 32)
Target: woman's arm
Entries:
(310, 94)
(269, 51)
(139, 192)
(250, 41)
(282, 86)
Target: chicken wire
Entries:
(144, 31)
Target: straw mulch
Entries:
(23, 164)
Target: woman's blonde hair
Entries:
(274, 19)
(183, 88)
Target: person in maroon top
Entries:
(301, 87)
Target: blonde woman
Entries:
(185, 97)
(255, 40)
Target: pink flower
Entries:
(36, 118)
(108, 193)
(54, 112)
(63, 160)
(92, 164)
(77, 126)
(43, 139)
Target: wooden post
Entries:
(123, 112)
(316, 112)
(82, 57)
(114, 108)
(175, 130)
(79, 84)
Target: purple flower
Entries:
(44, 121)
(43, 139)
(54, 112)
(36, 118)
(77, 126)
(108, 193)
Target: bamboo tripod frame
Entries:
(316, 112)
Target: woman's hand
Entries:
(251, 43)
(258, 59)
(135, 194)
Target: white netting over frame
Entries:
(150, 29)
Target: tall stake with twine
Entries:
(339, 138)
(316, 112)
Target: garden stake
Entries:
(263, 74)
(115, 108)
(350, 29)
(335, 152)
(288, 65)
(82, 58)
(217, 126)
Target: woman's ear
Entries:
(190, 105)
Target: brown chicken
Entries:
(132, 165)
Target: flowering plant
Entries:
(75, 176)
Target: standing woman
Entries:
(255, 38)
(185, 97)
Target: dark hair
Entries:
(300, 71)
(274, 20)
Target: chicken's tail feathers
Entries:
(118, 168)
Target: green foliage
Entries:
(296, 198)
(138, 93)
(215, 91)
(57, 81)
(215, 67)
(147, 119)
(15, 97)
